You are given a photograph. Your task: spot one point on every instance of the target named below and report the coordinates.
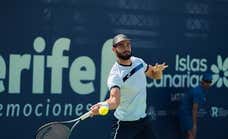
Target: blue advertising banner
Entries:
(55, 57)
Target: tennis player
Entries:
(127, 85)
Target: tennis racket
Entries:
(59, 130)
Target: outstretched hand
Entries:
(159, 67)
(157, 70)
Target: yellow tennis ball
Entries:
(103, 110)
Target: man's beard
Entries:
(124, 56)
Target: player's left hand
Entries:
(160, 67)
(157, 70)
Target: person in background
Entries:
(189, 106)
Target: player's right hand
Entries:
(95, 109)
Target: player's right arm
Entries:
(114, 83)
(195, 107)
(194, 117)
(113, 101)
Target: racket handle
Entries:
(85, 116)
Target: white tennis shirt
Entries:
(132, 83)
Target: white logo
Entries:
(107, 60)
(220, 72)
(214, 111)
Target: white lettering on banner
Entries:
(107, 60)
(1, 107)
(218, 112)
(188, 64)
(37, 110)
(12, 109)
(188, 73)
(38, 66)
(82, 70)
(185, 76)
(177, 80)
(18, 63)
(214, 111)
(2, 73)
(45, 109)
(57, 62)
(82, 74)
(27, 110)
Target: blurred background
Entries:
(55, 56)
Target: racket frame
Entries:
(76, 120)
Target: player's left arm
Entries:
(194, 117)
(195, 108)
(156, 71)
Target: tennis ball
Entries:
(103, 110)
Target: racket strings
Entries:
(58, 130)
(54, 131)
